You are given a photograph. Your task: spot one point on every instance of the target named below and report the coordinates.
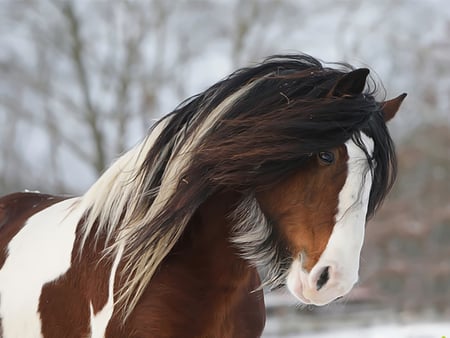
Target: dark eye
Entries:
(327, 157)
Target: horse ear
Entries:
(352, 83)
(391, 107)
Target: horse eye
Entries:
(326, 157)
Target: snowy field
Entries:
(422, 330)
(285, 319)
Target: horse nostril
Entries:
(323, 278)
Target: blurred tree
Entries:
(82, 79)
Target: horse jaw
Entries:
(340, 259)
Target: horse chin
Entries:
(296, 289)
(312, 297)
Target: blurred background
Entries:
(82, 81)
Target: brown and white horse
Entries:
(277, 166)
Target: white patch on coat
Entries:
(39, 253)
(100, 320)
(342, 252)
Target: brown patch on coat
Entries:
(65, 303)
(202, 289)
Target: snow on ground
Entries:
(350, 319)
(419, 330)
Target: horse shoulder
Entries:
(202, 290)
(249, 313)
(30, 257)
(15, 210)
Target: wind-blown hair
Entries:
(244, 133)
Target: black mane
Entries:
(270, 131)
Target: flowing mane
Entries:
(244, 133)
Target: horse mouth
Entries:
(319, 287)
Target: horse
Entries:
(279, 165)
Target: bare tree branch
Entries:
(91, 113)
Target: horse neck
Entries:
(206, 246)
(205, 276)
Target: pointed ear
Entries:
(391, 107)
(350, 84)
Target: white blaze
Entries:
(343, 250)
